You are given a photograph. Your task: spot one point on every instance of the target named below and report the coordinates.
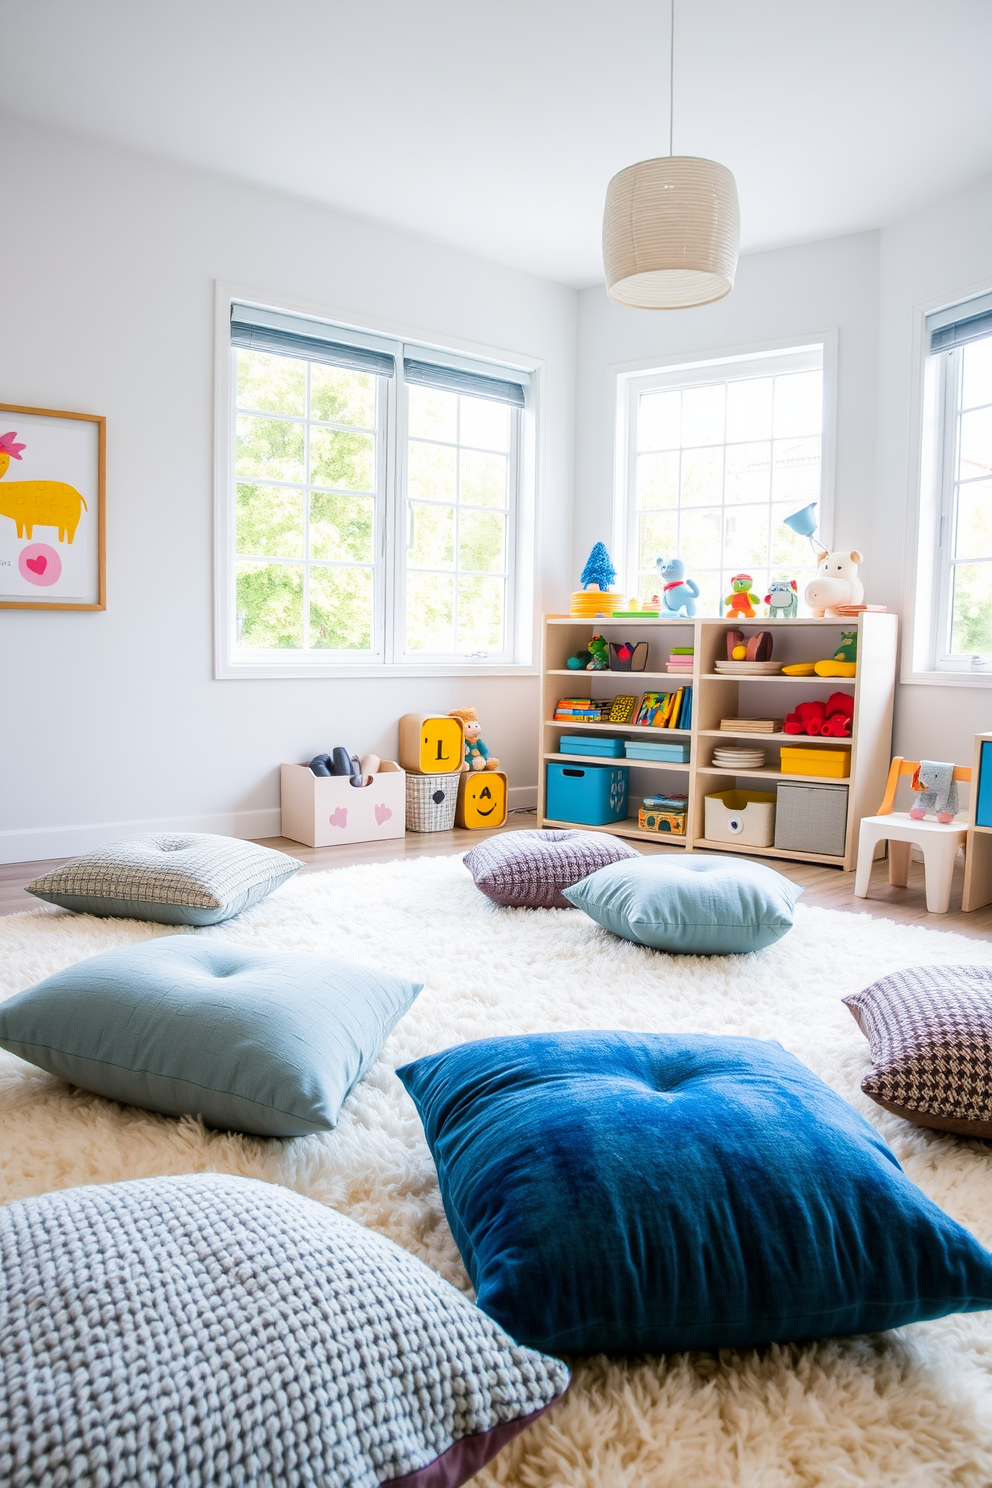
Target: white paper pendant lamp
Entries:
(671, 231)
(672, 226)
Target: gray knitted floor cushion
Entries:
(213, 1330)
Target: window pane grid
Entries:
(715, 468)
(457, 565)
(306, 601)
(966, 553)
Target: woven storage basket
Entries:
(431, 802)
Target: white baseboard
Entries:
(38, 844)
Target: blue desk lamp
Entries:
(803, 523)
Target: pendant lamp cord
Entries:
(671, 83)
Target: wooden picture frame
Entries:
(52, 478)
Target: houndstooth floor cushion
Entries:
(213, 1330)
(930, 1030)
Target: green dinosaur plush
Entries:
(600, 655)
(741, 600)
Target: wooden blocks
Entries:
(481, 799)
(431, 743)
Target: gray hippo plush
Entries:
(678, 594)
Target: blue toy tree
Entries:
(598, 570)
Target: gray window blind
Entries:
(959, 324)
(474, 384)
(294, 336)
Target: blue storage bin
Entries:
(983, 808)
(594, 795)
(582, 744)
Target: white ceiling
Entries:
(495, 125)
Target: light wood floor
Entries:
(828, 887)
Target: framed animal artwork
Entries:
(52, 518)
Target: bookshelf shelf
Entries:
(755, 696)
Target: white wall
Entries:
(790, 292)
(113, 722)
(941, 252)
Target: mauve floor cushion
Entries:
(209, 1330)
(529, 869)
(644, 1193)
(930, 1031)
(173, 878)
(268, 1042)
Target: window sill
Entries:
(250, 671)
(946, 679)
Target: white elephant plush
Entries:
(836, 583)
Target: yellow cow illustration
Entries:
(37, 503)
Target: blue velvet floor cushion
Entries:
(643, 1193)
(701, 906)
(254, 1041)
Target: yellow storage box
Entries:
(831, 764)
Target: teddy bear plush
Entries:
(477, 756)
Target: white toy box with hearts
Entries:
(325, 810)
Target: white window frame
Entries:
(521, 625)
(631, 379)
(932, 479)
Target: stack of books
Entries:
(751, 725)
(680, 660)
(571, 710)
(665, 709)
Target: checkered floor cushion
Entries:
(173, 878)
(208, 1330)
(529, 870)
(930, 1031)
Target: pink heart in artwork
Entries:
(339, 817)
(382, 814)
(37, 565)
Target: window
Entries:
(371, 512)
(716, 455)
(959, 438)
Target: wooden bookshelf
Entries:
(717, 696)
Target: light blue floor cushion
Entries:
(698, 905)
(268, 1042)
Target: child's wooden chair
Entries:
(938, 841)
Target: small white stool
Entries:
(939, 842)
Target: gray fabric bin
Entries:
(811, 818)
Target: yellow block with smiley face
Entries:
(481, 799)
(431, 744)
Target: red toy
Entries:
(808, 718)
(840, 715)
(831, 719)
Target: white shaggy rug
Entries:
(910, 1409)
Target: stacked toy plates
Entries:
(590, 603)
(747, 668)
(738, 759)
